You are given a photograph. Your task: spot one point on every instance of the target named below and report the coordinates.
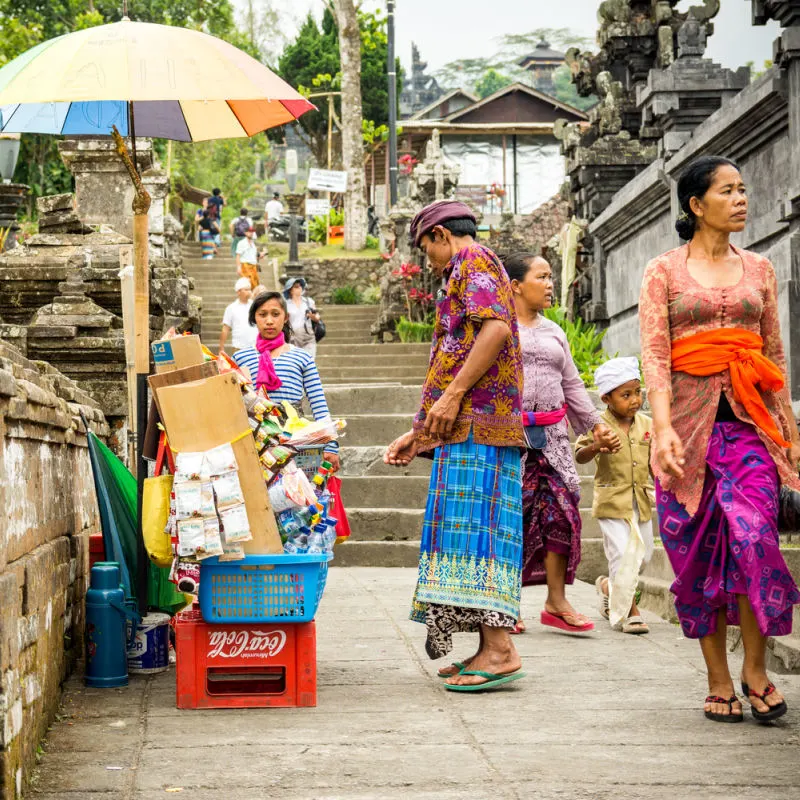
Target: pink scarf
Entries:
(267, 377)
(544, 417)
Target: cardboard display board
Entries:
(177, 353)
(210, 412)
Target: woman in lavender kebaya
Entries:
(553, 392)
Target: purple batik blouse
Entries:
(477, 288)
(551, 380)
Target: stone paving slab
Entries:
(601, 716)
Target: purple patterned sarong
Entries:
(551, 520)
(731, 545)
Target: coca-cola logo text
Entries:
(245, 644)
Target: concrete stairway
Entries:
(213, 281)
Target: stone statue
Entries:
(692, 37)
(608, 110)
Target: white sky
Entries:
(447, 30)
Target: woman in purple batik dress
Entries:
(725, 438)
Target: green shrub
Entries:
(317, 226)
(345, 296)
(585, 343)
(414, 332)
(372, 295)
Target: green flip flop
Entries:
(493, 681)
(459, 665)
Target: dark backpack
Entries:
(242, 226)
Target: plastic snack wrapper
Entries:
(213, 540)
(185, 575)
(191, 537)
(232, 552)
(227, 490)
(221, 459)
(274, 459)
(235, 526)
(207, 507)
(318, 433)
(188, 499)
(190, 467)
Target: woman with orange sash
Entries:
(725, 436)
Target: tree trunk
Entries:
(355, 202)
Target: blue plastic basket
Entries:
(269, 588)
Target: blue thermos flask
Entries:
(106, 653)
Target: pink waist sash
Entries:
(541, 418)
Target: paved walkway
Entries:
(608, 716)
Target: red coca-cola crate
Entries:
(244, 665)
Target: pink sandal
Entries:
(559, 621)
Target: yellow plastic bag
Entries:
(155, 515)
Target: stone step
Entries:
(376, 362)
(372, 429)
(364, 461)
(402, 524)
(325, 348)
(385, 492)
(347, 338)
(371, 554)
(345, 380)
(412, 374)
(388, 399)
(385, 524)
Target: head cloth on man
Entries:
(437, 214)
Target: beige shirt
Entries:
(622, 475)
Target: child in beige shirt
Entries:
(623, 492)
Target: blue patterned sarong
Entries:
(471, 548)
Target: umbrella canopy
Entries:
(181, 84)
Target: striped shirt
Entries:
(299, 376)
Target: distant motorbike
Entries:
(279, 229)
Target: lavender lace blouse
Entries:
(551, 379)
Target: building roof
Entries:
(453, 93)
(543, 54)
(530, 104)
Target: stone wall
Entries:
(324, 275)
(49, 511)
(530, 232)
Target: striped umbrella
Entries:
(164, 81)
(140, 79)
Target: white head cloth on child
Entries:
(615, 372)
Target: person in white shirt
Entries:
(247, 257)
(273, 210)
(235, 320)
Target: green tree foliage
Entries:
(490, 82)
(315, 53)
(229, 164)
(474, 74)
(25, 23)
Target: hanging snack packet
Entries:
(188, 499)
(191, 537)
(190, 467)
(235, 524)
(213, 540)
(207, 507)
(227, 490)
(232, 552)
(221, 459)
(276, 458)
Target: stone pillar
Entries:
(103, 188)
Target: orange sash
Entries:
(739, 351)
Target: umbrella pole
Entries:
(141, 291)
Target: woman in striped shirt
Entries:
(286, 372)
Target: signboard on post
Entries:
(327, 180)
(317, 207)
